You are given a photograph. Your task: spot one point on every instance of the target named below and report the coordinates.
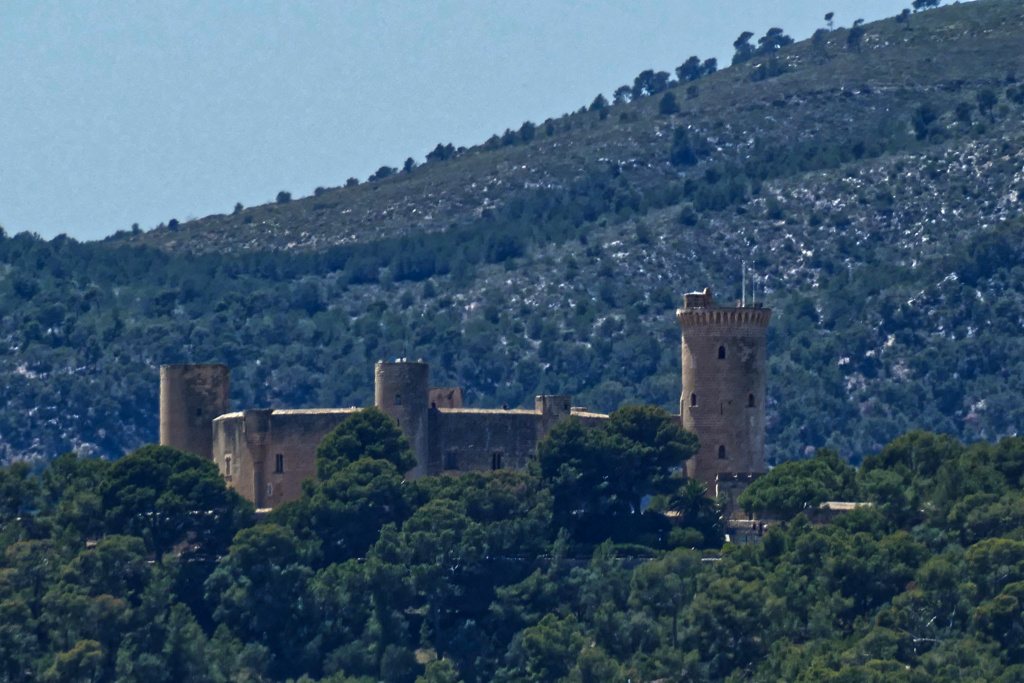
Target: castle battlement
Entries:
(694, 319)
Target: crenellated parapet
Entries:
(744, 321)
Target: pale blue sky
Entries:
(138, 111)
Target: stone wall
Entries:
(445, 397)
(191, 396)
(402, 390)
(724, 369)
(266, 454)
(466, 439)
(730, 486)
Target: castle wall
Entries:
(588, 419)
(270, 452)
(480, 440)
(724, 368)
(231, 454)
(191, 396)
(295, 435)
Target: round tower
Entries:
(724, 369)
(402, 390)
(191, 396)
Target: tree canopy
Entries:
(605, 472)
(520, 576)
(368, 433)
(167, 496)
(800, 485)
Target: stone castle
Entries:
(265, 454)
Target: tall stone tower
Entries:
(402, 390)
(724, 369)
(190, 397)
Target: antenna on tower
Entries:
(743, 286)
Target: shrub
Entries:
(527, 131)
(383, 172)
(668, 105)
(688, 216)
(924, 117)
(987, 100)
(441, 152)
(853, 39)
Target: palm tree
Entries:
(697, 510)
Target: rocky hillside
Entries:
(870, 177)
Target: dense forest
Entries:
(149, 569)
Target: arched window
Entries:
(398, 399)
(721, 353)
(721, 452)
(693, 400)
(750, 400)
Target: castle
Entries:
(265, 454)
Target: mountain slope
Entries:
(870, 187)
(831, 96)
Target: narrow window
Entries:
(693, 400)
(199, 412)
(270, 489)
(279, 463)
(721, 353)
(227, 467)
(451, 460)
(398, 399)
(721, 452)
(496, 461)
(750, 400)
